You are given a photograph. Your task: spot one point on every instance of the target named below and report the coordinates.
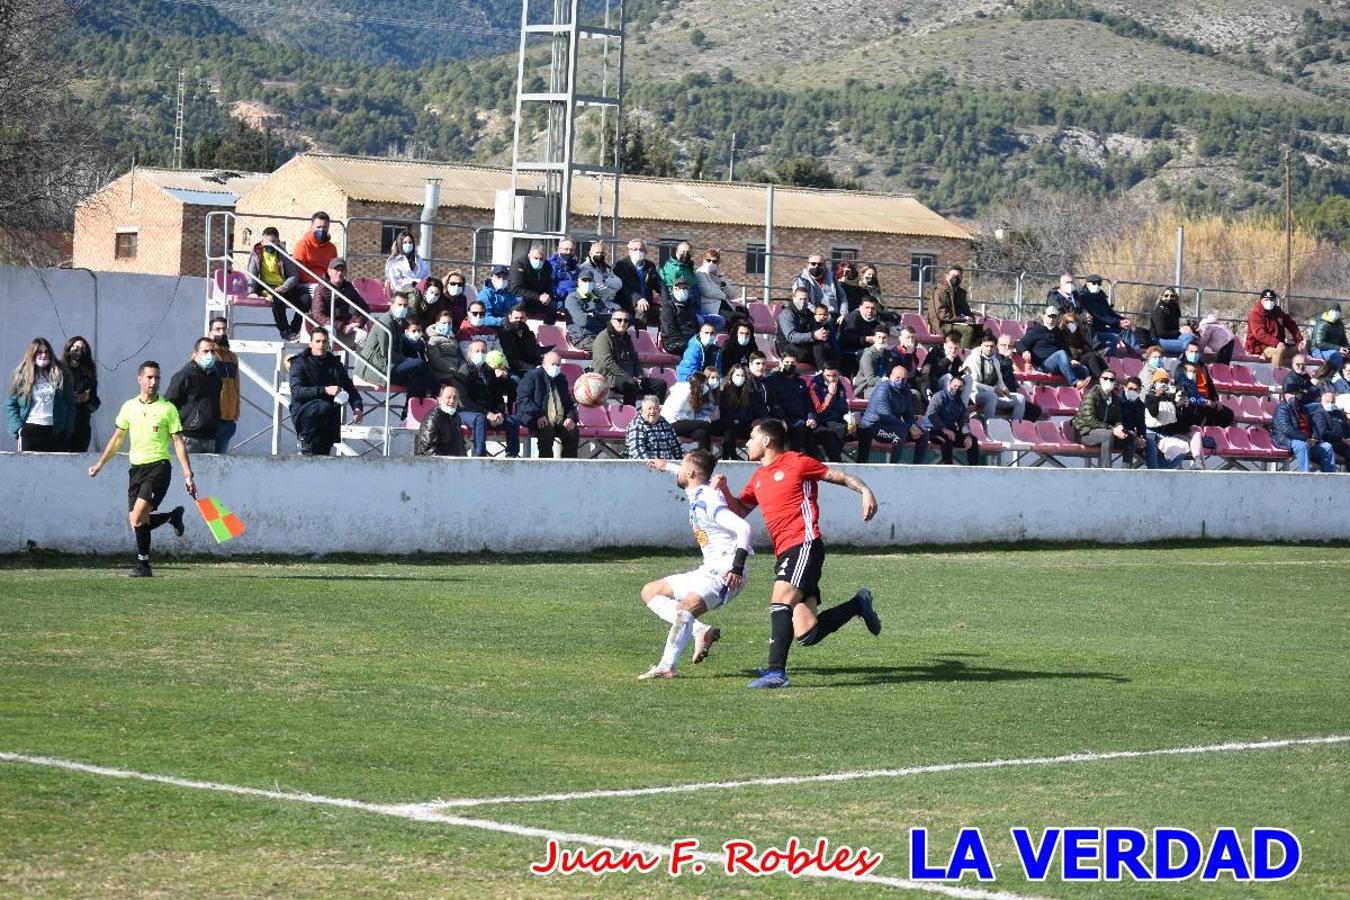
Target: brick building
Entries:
(153, 221)
(376, 198)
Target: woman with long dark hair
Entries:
(41, 404)
(79, 362)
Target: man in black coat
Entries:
(858, 333)
(641, 291)
(442, 432)
(484, 395)
(790, 400)
(320, 386)
(531, 280)
(679, 319)
(544, 403)
(195, 390)
(518, 342)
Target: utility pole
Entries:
(178, 119)
(731, 169)
(1288, 228)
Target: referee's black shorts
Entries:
(800, 566)
(149, 480)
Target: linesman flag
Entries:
(223, 523)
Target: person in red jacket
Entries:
(316, 249)
(1271, 332)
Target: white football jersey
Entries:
(717, 541)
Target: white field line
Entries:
(420, 813)
(882, 773)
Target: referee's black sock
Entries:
(780, 635)
(143, 541)
(831, 620)
(158, 519)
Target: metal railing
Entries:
(224, 263)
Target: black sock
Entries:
(143, 540)
(158, 519)
(780, 636)
(831, 620)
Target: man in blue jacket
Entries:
(947, 421)
(545, 405)
(1292, 430)
(890, 415)
(1330, 427)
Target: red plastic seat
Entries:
(987, 444)
(1050, 437)
(1069, 399)
(1259, 439)
(572, 371)
(648, 353)
(762, 317)
(621, 416)
(1013, 329)
(418, 407)
(919, 325)
(1128, 366)
(374, 292)
(594, 422)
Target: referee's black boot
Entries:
(140, 570)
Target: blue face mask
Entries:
(536, 264)
(208, 361)
(407, 246)
(399, 313)
(444, 329)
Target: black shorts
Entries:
(150, 481)
(800, 566)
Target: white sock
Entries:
(664, 607)
(677, 638)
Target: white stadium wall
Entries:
(304, 506)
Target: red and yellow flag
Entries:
(223, 523)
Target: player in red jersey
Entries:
(785, 489)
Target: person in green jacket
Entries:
(1328, 340)
(1098, 422)
(681, 265)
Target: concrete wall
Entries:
(398, 505)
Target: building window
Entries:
(389, 232)
(755, 259)
(482, 251)
(922, 266)
(126, 244)
(666, 249)
(839, 254)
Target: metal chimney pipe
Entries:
(429, 208)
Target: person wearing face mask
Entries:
(227, 365)
(315, 250)
(949, 311)
(1045, 346)
(693, 408)
(679, 318)
(850, 285)
(818, 282)
(338, 305)
(531, 280)
(1113, 332)
(485, 400)
(498, 299)
(1067, 296)
(876, 362)
(858, 333)
(1098, 422)
(1292, 429)
(195, 391)
(587, 313)
(742, 404)
(1202, 396)
(1327, 341)
(799, 332)
(564, 267)
(445, 360)
(545, 404)
(830, 402)
(1078, 342)
(702, 353)
(457, 292)
(41, 403)
(1132, 411)
(715, 293)
(519, 344)
(1169, 332)
(442, 432)
(949, 421)
(940, 366)
(320, 388)
(740, 344)
(1341, 385)
(988, 390)
(1329, 427)
(404, 268)
(607, 284)
(78, 360)
(640, 282)
(1272, 333)
(273, 276)
(385, 353)
(1004, 354)
(891, 415)
(1155, 360)
(1166, 435)
(790, 400)
(681, 266)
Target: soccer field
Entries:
(421, 727)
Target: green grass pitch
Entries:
(407, 682)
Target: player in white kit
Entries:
(724, 538)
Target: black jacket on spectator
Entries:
(1098, 306)
(196, 393)
(756, 403)
(440, 435)
(637, 285)
(734, 354)
(1132, 415)
(481, 391)
(855, 330)
(520, 346)
(1042, 342)
(789, 398)
(309, 375)
(679, 324)
(1165, 320)
(532, 397)
(935, 365)
(1330, 427)
(528, 284)
(796, 331)
(614, 356)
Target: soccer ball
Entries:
(591, 389)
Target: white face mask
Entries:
(455, 290)
(707, 340)
(1329, 407)
(499, 283)
(475, 318)
(743, 340)
(1333, 315)
(1073, 326)
(449, 408)
(681, 295)
(407, 246)
(710, 386)
(433, 296)
(477, 358)
(552, 371)
(738, 379)
(1267, 305)
(1156, 362)
(584, 288)
(1094, 288)
(1131, 394)
(637, 256)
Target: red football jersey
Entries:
(785, 491)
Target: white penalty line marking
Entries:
(420, 812)
(883, 773)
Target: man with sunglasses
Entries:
(615, 356)
(1099, 422)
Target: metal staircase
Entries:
(264, 362)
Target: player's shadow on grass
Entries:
(940, 669)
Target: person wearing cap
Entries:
(1291, 429)
(1113, 331)
(1044, 346)
(1167, 434)
(1099, 423)
(679, 316)
(497, 298)
(338, 306)
(1165, 322)
(1330, 426)
(587, 312)
(1328, 342)
(1272, 333)
(272, 274)
(532, 281)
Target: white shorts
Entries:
(706, 583)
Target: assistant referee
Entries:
(152, 422)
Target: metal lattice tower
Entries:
(584, 73)
(178, 120)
